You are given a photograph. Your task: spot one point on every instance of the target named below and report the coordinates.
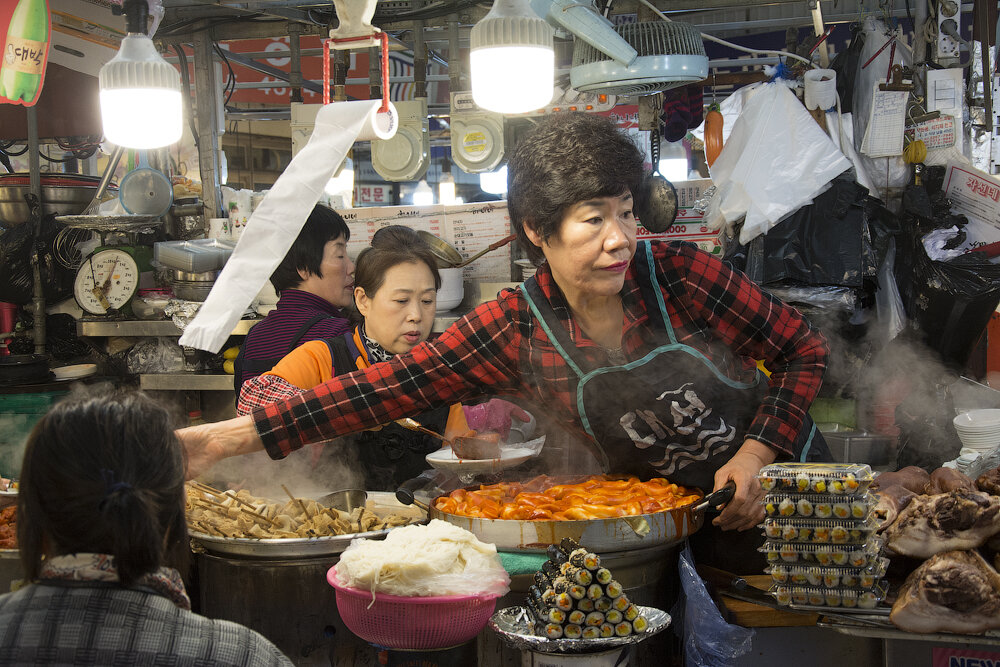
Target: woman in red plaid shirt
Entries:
(646, 349)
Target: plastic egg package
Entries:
(821, 531)
(813, 596)
(829, 577)
(824, 555)
(841, 479)
(817, 506)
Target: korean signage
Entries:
(974, 193)
(963, 657)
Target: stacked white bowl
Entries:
(979, 430)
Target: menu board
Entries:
(469, 228)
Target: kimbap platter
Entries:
(817, 506)
(816, 596)
(820, 531)
(829, 577)
(841, 479)
(575, 605)
(856, 556)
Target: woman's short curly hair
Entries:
(565, 159)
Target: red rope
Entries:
(383, 37)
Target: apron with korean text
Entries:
(671, 413)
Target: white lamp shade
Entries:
(512, 79)
(142, 117)
(446, 190)
(494, 182)
(511, 57)
(140, 96)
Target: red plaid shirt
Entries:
(499, 348)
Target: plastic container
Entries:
(411, 622)
(830, 577)
(815, 596)
(824, 555)
(818, 506)
(860, 447)
(18, 415)
(821, 531)
(195, 256)
(841, 479)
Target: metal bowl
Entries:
(188, 276)
(56, 198)
(345, 500)
(191, 290)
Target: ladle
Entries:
(449, 258)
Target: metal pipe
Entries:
(279, 74)
(350, 82)
(419, 55)
(456, 71)
(295, 78)
(207, 97)
(35, 185)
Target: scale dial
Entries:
(107, 280)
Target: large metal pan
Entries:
(599, 535)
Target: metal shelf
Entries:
(144, 328)
(186, 381)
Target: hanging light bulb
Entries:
(341, 186)
(494, 182)
(511, 59)
(140, 92)
(446, 186)
(423, 195)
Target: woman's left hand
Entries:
(745, 510)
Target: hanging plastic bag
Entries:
(888, 302)
(708, 640)
(776, 160)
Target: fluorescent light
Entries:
(446, 189)
(511, 59)
(423, 195)
(140, 96)
(674, 169)
(494, 182)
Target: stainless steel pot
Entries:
(62, 194)
(664, 528)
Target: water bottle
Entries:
(25, 52)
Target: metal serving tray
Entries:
(290, 547)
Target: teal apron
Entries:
(671, 413)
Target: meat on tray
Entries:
(954, 591)
(930, 525)
(989, 481)
(944, 480)
(910, 477)
(891, 501)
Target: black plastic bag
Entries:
(16, 246)
(948, 303)
(846, 65)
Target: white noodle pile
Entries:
(420, 561)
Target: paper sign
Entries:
(963, 657)
(468, 227)
(973, 193)
(937, 133)
(884, 134)
(944, 94)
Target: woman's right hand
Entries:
(207, 444)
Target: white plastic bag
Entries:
(888, 302)
(776, 160)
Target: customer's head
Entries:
(567, 158)
(395, 288)
(104, 474)
(317, 262)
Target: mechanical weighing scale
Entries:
(109, 277)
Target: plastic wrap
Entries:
(155, 355)
(776, 160)
(708, 640)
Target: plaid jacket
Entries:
(60, 623)
(498, 348)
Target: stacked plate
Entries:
(979, 429)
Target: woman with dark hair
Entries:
(102, 536)
(647, 350)
(314, 286)
(395, 291)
